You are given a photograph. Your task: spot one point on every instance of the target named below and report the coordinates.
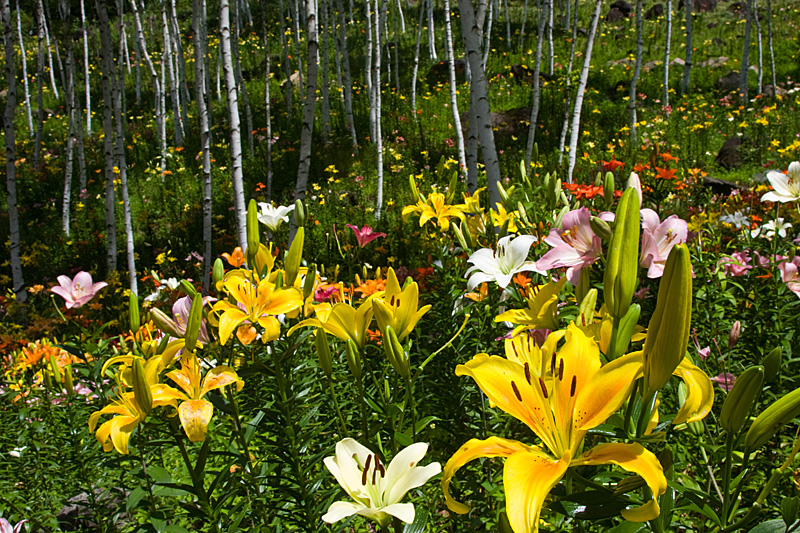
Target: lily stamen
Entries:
(516, 391)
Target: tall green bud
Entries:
(194, 322)
(133, 312)
(293, 257)
(353, 358)
(218, 272)
(324, 353)
(253, 237)
(668, 331)
(141, 389)
(622, 264)
(300, 215)
(740, 399)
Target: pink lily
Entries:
(658, 238)
(790, 275)
(575, 245)
(725, 381)
(5, 526)
(79, 291)
(365, 235)
(736, 264)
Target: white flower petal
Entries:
(403, 511)
(339, 510)
(414, 478)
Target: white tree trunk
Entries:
(49, 55)
(769, 43)
(451, 63)
(288, 86)
(174, 93)
(17, 279)
(25, 73)
(576, 115)
(508, 24)
(537, 69)
(267, 102)
(567, 100)
(177, 52)
(326, 102)
(347, 81)
(37, 143)
(522, 29)
(745, 68)
(69, 89)
(86, 75)
(200, 66)
(376, 87)
(667, 44)
(488, 42)
(760, 48)
(369, 65)
(687, 67)
(431, 32)
(233, 117)
(107, 70)
(472, 35)
(415, 71)
(237, 66)
(637, 69)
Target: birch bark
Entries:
(769, 44)
(745, 67)
(37, 143)
(415, 71)
(451, 64)
(69, 91)
(347, 81)
(565, 125)
(86, 75)
(376, 87)
(537, 68)
(233, 118)
(17, 279)
(637, 69)
(107, 62)
(25, 73)
(200, 66)
(326, 102)
(667, 43)
(687, 67)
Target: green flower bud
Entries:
(56, 371)
(253, 233)
(772, 364)
(164, 323)
(353, 357)
(600, 228)
(740, 399)
(621, 338)
(69, 383)
(771, 420)
(324, 353)
(608, 188)
(395, 352)
(218, 272)
(587, 307)
(598, 180)
(622, 263)
(133, 312)
(461, 237)
(300, 215)
(310, 281)
(668, 331)
(293, 257)
(194, 322)
(188, 288)
(141, 390)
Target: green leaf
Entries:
(591, 505)
(628, 527)
(770, 526)
(134, 498)
(403, 439)
(419, 523)
(158, 474)
(174, 528)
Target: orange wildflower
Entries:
(666, 173)
(236, 259)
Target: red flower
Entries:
(666, 173)
(612, 165)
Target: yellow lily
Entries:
(436, 207)
(560, 400)
(542, 312)
(343, 321)
(116, 433)
(500, 216)
(398, 308)
(257, 302)
(601, 327)
(195, 412)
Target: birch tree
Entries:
(769, 44)
(17, 278)
(267, 102)
(760, 47)
(567, 101)
(369, 65)
(745, 66)
(287, 69)
(69, 95)
(415, 71)
(451, 64)
(376, 87)
(326, 103)
(537, 68)
(52, 72)
(309, 106)
(472, 35)
(167, 60)
(240, 85)
(687, 67)
(233, 118)
(27, 92)
(431, 31)
(37, 143)
(576, 114)
(86, 75)
(107, 72)
(200, 66)
(347, 80)
(667, 43)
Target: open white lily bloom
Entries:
(500, 265)
(787, 186)
(272, 216)
(375, 488)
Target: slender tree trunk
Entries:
(337, 57)
(522, 29)
(369, 69)
(83, 195)
(108, 134)
(174, 93)
(565, 125)
(576, 115)
(348, 82)
(17, 278)
(472, 145)
(200, 66)
(451, 63)
(326, 102)
(537, 69)
(138, 51)
(760, 48)
(69, 90)
(267, 102)
(49, 54)
(309, 106)
(508, 24)
(37, 143)
(237, 65)
(667, 43)
(397, 18)
(121, 163)
(549, 31)
(488, 42)
(376, 87)
(745, 68)
(415, 71)
(769, 44)
(177, 51)
(431, 32)
(296, 37)
(157, 87)
(25, 73)
(637, 69)
(687, 67)
(472, 34)
(233, 117)
(86, 76)
(287, 68)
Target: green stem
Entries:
(413, 407)
(339, 416)
(649, 400)
(726, 478)
(631, 403)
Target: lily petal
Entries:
(195, 416)
(404, 475)
(528, 478)
(700, 393)
(340, 510)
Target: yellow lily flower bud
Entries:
(69, 384)
(310, 281)
(218, 271)
(56, 371)
(324, 352)
(193, 324)
(293, 257)
(300, 216)
(253, 237)
(668, 331)
(133, 312)
(396, 353)
(771, 420)
(740, 400)
(141, 389)
(623, 257)
(772, 364)
(353, 358)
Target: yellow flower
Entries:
(560, 398)
(542, 310)
(343, 321)
(500, 216)
(435, 207)
(398, 309)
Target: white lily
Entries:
(376, 489)
(272, 216)
(500, 265)
(772, 227)
(787, 186)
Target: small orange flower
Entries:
(236, 259)
(612, 165)
(246, 334)
(521, 279)
(667, 157)
(482, 292)
(666, 173)
(641, 167)
(370, 287)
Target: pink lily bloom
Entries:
(658, 238)
(180, 310)
(5, 527)
(365, 235)
(725, 381)
(736, 264)
(790, 275)
(79, 291)
(575, 245)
